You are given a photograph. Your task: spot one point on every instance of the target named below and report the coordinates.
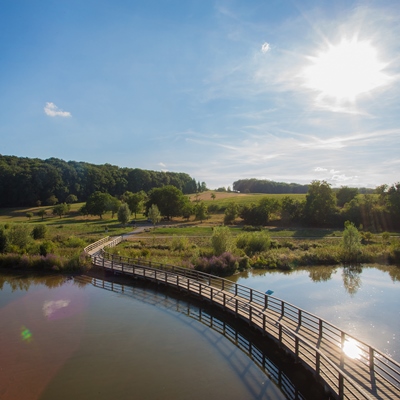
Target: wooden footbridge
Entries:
(349, 368)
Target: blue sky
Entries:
(223, 90)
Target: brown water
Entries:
(66, 339)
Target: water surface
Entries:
(362, 300)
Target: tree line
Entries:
(325, 207)
(33, 182)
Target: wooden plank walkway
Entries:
(314, 342)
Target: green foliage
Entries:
(179, 243)
(154, 214)
(71, 198)
(52, 200)
(320, 204)
(169, 200)
(47, 247)
(265, 186)
(222, 240)
(3, 240)
(258, 214)
(98, 203)
(200, 211)
(39, 232)
(134, 201)
(61, 209)
(124, 214)
(42, 213)
(113, 205)
(231, 213)
(19, 235)
(351, 242)
(29, 215)
(345, 195)
(253, 243)
(74, 242)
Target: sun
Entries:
(346, 70)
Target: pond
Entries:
(361, 300)
(65, 338)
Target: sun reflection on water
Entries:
(351, 349)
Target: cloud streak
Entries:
(52, 110)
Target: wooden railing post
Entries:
(371, 359)
(341, 386)
(282, 308)
(320, 328)
(299, 316)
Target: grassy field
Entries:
(181, 242)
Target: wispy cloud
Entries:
(53, 111)
(265, 48)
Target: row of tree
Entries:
(31, 181)
(324, 207)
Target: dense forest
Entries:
(265, 186)
(32, 181)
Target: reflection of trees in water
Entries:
(321, 274)
(351, 278)
(24, 282)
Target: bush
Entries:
(253, 243)
(46, 248)
(179, 243)
(221, 240)
(39, 232)
(223, 265)
(74, 242)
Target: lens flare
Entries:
(26, 334)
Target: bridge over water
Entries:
(350, 368)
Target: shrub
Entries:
(221, 240)
(223, 265)
(351, 242)
(74, 242)
(39, 232)
(253, 243)
(179, 243)
(46, 248)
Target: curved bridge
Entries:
(366, 373)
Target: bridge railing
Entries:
(375, 360)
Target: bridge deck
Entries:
(313, 342)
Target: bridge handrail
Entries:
(385, 366)
(352, 387)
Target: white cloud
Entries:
(320, 169)
(53, 111)
(161, 164)
(265, 48)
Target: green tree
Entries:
(320, 203)
(135, 201)
(124, 214)
(231, 213)
(258, 214)
(222, 240)
(98, 204)
(200, 211)
(52, 200)
(351, 242)
(291, 210)
(42, 213)
(169, 200)
(71, 198)
(113, 205)
(393, 201)
(29, 215)
(61, 209)
(345, 195)
(154, 214)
